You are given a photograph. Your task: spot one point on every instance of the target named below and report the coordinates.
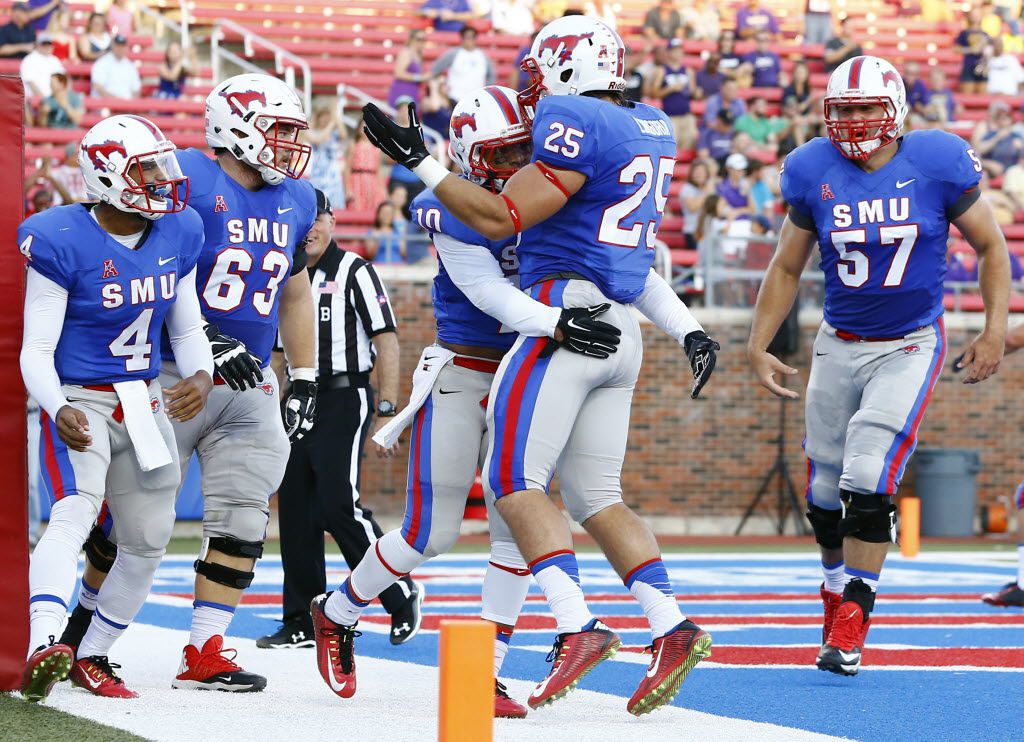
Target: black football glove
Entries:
(299, 409)
(403, 144)
(233, 362)
(583, 333)
(700, 349)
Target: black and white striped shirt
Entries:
(352, 306)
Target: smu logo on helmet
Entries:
(239, 101)
(567, 43)
(463, 120)
(99, 154)
(891, 77)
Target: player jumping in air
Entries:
(588, 208)
(879, 205)
(256, 215)
(103, 278)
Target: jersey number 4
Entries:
(854, 267)
(226, 286)
(133, 343)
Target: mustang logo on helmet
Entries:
(239, 101)
(891, 77)
(99, 154)
(567, 43)
(460, 122)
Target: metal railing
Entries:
(434, 138)
(161, 20)
(285, 63)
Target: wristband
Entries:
(431, 172)
(513, 214)
(303, 374)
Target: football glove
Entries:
(701, 350)
(299, 409)
(403, 144)
(233, 362)
(583, 333)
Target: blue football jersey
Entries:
(117, 297)
(606, 232)
(458, 319)
(882, 235)
(251, 240)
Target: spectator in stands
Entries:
(634, 80)
(942, 105)
(364, 182)
(762, 128)
(701, 21)
(517, 77)
(1005, 73)
(514, 17)
(817, 21)
(766, 64)
(96, 40)
(799, 88)
(121, 16)
(996, 142)
(658, 58)
(663, 22)
(41, 11)
(937, 11)
(974, 45)
(447, 15)
(603, 10)
(715, 142)
(798, 127)
(17, 37)
(761, 193)
(39, 66)
(409, 75)
(386, 241)
(727, 99)
(177, 67)
(437, 106)
(545, 11)
(114, 75)
(43, 191)
(710, 77)
(991, 21)
(65, 48)
(729, 62)
(63, 108)
(698, 186)
(467, 65)
(1001, 202)
(753, 18)
(327, 137)
(1013, 184)
(917, 91)
(675, 86)
(69, 174)
(841, 47)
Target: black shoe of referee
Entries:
(406, 621)
(295, 633)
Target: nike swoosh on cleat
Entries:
(654, 668)
(334, 683)
(539, 690)
(90, 681)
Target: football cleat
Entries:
(506, 707)
(44, 669)
(335, 650)
(842, 649)
(295, 633)
(78, 624)
(406, 621)
(96, 675)
(830, 602)
(213, 669)
(674, 655)
(1010, 595)
(572, 657)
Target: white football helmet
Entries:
(257, 118)
(573, 55)
(864, 81)
(489, 137)
(127, 162)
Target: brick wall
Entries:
(703, 460)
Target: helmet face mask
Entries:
(489, 136)
(496, 160)
(283, 152)
(859, 137)
(155, 183)
(865, 106)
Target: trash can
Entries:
(945, 482)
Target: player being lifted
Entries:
(879, 206)
(478, 309)
(256, 215)
(589, 207)
(102, 279)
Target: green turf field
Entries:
(21, 721)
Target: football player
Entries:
(588, 208)
(490, 141)
(879, 205)
(256, 214)
(103, 277)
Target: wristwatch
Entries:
(386, 409)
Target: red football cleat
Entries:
(841, 652)
(573, 656)
(96, 675)
(675, 654)
(335, 645)
(44, 669)
(830, 602)
(213, 669)
(506, 707)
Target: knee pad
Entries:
(242, 522)
(869, 518)
(99, 550)
(826, 526)
(221, 574)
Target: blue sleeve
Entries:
(962, 174)
(45, 255)
(433, 217)
(193, 164)
(794, 186)
(193, 237)
(564, 138)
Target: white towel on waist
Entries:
(139, 419)
(432, 360)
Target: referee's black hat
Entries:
(323, 204)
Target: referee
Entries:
(320, 491)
